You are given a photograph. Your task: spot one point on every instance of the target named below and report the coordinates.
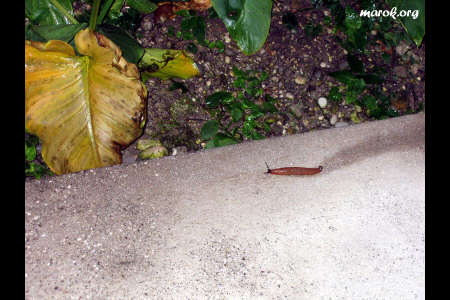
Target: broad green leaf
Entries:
(143, 6)
(50, 12)
(84, 109)
(209, 129)
(247, 21)
(63, 32)
(131, 49)
(413, 24)
(166, 63)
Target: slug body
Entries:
(294, 171)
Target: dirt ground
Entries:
(298, 66)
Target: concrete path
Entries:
(213, 225)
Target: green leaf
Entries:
(114, 13)
(213, 100)
(371, 78)
(269, 107)
(240, 73)
(356, 85)
(236, 113)
(30, 151)
(247, 21)
(131, 49)
(199, 30)
(352, 19)
(142, 6)
(370, 102)
(351, 97)
(63, 32)
(344, 76)
(221, 140)
(209, 129)
(247, 104)
(33, 169)
(103, 11)
(50, 12)
(334, 94)
(415, 27)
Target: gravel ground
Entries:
(298, 67)
(297, 63)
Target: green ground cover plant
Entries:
(361, 84)
(241, 116)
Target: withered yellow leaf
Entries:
(85, 109)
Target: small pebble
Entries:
(322, 102)
(323, 65)
(289, 96)
(227, 59)
(333, 119)
(300, 80)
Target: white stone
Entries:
(322, 102)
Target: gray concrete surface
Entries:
(213, 225)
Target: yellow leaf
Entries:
(166, 63)
(85, 109)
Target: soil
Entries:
(298, 66)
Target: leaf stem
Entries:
(94, 14)
(64, 11)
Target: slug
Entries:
(294, 170)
